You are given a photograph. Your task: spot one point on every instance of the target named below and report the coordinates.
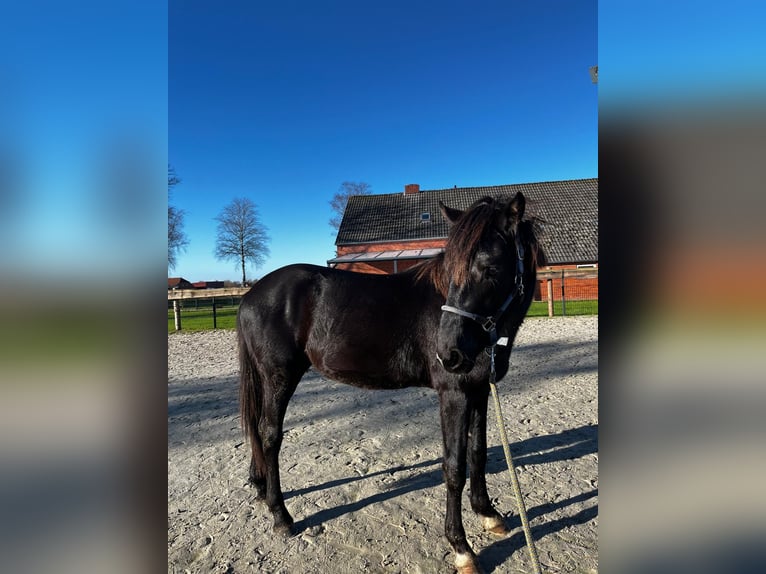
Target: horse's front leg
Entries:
(454, 421)
(491, 520)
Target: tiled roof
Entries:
(178, 283)
(569, 209)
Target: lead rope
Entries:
(512, 469)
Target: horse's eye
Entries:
(490, 272)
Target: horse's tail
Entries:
(250, 395)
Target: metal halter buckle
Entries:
(489, 324)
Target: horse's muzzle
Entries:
(456, 362)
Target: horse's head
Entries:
(488, 261)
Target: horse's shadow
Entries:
(498, 552)
(569, 444)
(566, 445)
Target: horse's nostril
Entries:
(455, 359)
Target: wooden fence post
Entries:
(177, 314)
(550, 297)
(215, 326)
(563, 296)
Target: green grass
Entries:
(540, 308)
(46, 336)
(202, 319)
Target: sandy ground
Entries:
(361, 470)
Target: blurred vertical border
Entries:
(83, 162)
(682, 377)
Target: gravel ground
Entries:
(361, 470)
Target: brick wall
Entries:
(380, 267)
(393, 246)
(575, 288)
(582, 287)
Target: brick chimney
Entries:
(411, 189)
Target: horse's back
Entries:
(280, 282)
(279, 300)
(356, 328)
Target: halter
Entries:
(489, 324)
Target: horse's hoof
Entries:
(467, 564)
(494, 525)
(499, 531)
(285, 530)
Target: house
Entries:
(179, 283)
(392, 232)
(208, 284)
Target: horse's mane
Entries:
(432, 271)
(463, 241)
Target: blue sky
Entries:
(282, 102)
(655, 53)
(83, 126)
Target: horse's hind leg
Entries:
(281, 386)
(257, 475)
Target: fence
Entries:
(558, 292)
(566, 292)
(203, 308)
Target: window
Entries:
(425, 217)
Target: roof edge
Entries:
(382, 241)
(518, 184)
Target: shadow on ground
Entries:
(566, 445)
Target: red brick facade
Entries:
(385, 267)
(575, 287)
(579, 284)
(390, 246)
(392, 232)
(380, 267)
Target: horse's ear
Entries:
(514, 212)
(450, 214)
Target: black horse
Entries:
(427, 327)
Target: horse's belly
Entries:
(368, 381)
(365, 370)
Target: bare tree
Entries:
(177, 239)
(340, 199)
(241, 235)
